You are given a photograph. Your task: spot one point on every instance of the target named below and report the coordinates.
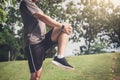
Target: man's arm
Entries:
(47, 20)
(52, 23)
(37, 13)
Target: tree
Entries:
(91, 18)
(8, 37)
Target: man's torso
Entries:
(34, 29)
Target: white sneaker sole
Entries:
(61, 65)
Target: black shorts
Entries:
(36, 53)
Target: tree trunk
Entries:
(8, 55)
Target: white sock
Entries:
(60, 56)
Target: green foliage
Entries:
(97, 48)
(2, 16)
(7, 34)
(9, 40)
(3, 6)
(90, 18)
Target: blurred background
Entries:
(96, 26)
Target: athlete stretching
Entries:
(37, 41)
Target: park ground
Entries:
(104, 66)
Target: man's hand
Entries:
(67, 28)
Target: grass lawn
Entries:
(87, 67)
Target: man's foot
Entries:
(62, 63)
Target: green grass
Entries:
(87, 67)
(116, 67)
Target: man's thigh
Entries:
(48, 42)
(55, 34)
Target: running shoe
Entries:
(62, 62)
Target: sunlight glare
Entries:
(116, 2)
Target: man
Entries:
(37, 41)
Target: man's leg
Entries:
(62, 39)
(36, 75)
